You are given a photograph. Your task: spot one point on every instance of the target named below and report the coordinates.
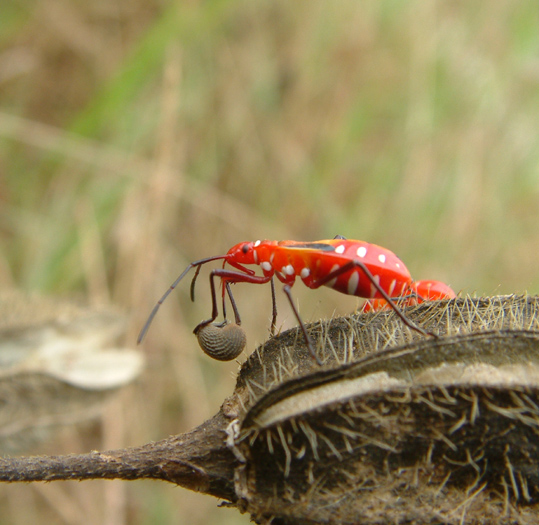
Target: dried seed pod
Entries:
(222, 342)
(421, 426)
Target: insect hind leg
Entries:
(358, 264)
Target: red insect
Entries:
(351, 267)
(419, 291)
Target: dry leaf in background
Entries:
(58, 364)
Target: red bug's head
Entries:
(242, 253)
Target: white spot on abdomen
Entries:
(382, 258)
(392, 287)
(340, 248)
(266, 266)
(373, 288)
(331, 283)
(305, 272)
(255, 256)
(288, 270)
(257, 243)
(361, 251)
(353, 282)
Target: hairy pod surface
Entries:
(435, 430)
(221, 342)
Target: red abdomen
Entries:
(315, 261)
(386, 268)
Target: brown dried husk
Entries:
(440, 430)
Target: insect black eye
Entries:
(245, 248)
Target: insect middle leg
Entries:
(288, 291)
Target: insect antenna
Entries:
(196, 264)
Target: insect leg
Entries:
(274, 308)
(379, 304)
(229, 276)
(233, 303)
(237, 317)
(358, 264)
(310, 346)
(225, 286)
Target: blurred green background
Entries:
(137, 136)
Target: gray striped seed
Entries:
(222, 342)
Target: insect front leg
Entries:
(232, 302)
(229, 276)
